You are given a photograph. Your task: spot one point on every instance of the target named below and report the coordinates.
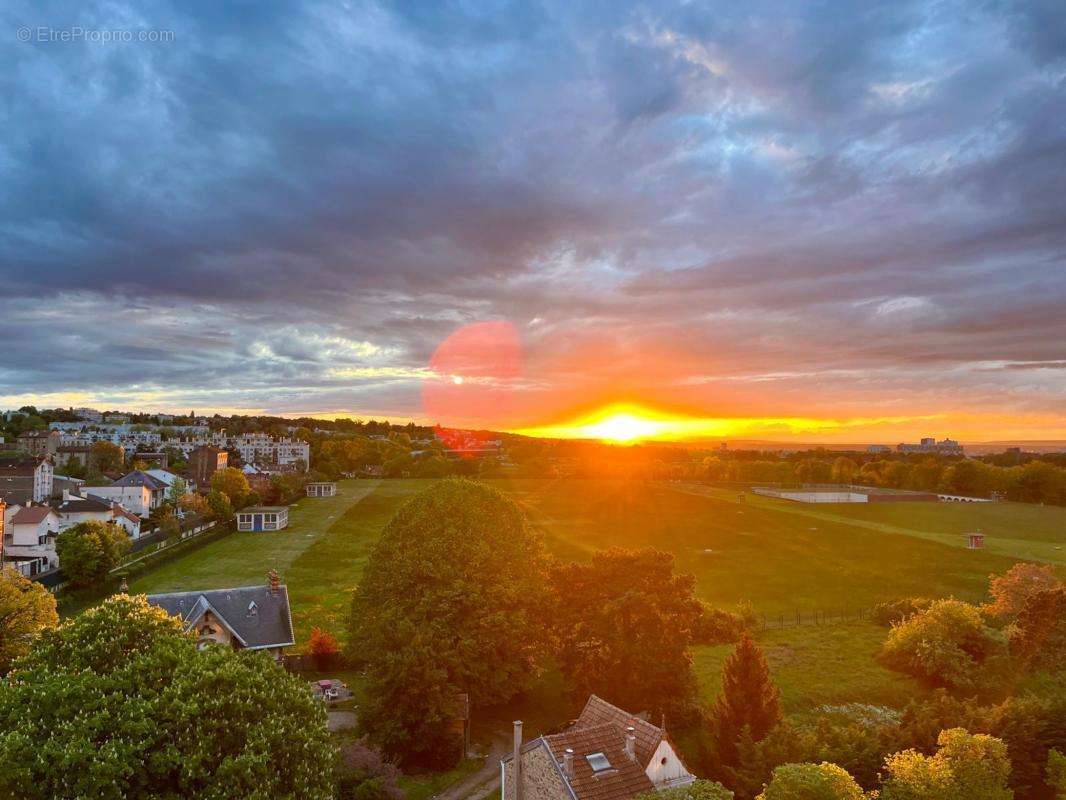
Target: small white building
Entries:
(263, 518)
(322, 489)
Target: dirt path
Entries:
(484, 782)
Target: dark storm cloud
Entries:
(290, 204)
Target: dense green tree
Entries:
(749, 703)
(1056, 774)
(88, 551)
(965, 767)
(946, 644)
(128, 705)
(1039, 634)
(234, 484)
(452, 601)
(220, 505)
(697, 790)
(26, 609)
(811, 782)
(106, 456)
(623, 623)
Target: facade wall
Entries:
(540, 778)
(666, 769)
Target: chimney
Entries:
(516, 772)
(568, 763)
(631, 743)
(275, 582)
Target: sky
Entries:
(838, 222)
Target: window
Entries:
(598, 762)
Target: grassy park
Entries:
(785, 558)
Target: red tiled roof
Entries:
(623, 780)
(31, 515)
(598, 712)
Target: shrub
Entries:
(363, 773)
(26, 609)
(944, 645)
(811, 782)
(966, 767)
(323, 648)
(697, 790)
(1011, 590)
(892, 612)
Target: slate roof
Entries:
(139, 478)
(269, 625)
(624, 779)
(598, 711)
(73, 505)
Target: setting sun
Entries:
(622, 428)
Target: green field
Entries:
(782, 557)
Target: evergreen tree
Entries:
(749, 702)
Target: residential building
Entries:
(157, 489)
(205, 461)
(945, 447)
(606, 754)
(168, 479)
(246, 618)
(25, 479)
(322, 489)
(38, 443)
(77, 454)
(30, 538)
(74, 509)
(136, 498)
(89, 414)
(879, 448)
(263, 518)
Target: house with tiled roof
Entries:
(25, 479)
(605, 754)
(29, 540)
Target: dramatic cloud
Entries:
(754, 209)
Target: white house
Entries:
(137, 498)
(168, 479)
(30, 538)
(25, 479)
(75, 509)
(157, 489)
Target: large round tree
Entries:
(119, 702)
(451, 603)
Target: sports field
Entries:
(782, 557)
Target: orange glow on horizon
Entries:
(630, 424)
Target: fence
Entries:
(798, 617)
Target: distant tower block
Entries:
(975, 541)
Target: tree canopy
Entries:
(965, 767)
(811, 782)
(945, 644)
(127, 704)
(749, 703)
(624, 623)
(89, 550)
(452, 601)
(26, 609)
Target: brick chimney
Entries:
(631, 743)
(516, 772)
(274, 581)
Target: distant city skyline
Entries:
(779, 221)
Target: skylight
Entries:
(598, 762)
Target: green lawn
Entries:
(1017, 530)
(782, 557)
